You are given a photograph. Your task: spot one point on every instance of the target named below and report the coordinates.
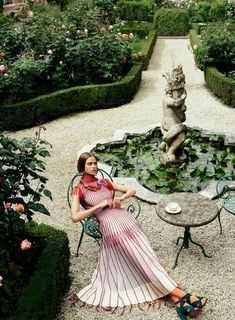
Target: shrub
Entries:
(147, 49)
(50, 276)
(218, 11)
(230, 12)
(171, 22)
(222, 86)
(77, 99)
(217, 49)
(202, 13)
(65, 55)
(22, 186)
(131, 10)
(1, 6)
(194, 40)
(140, 30)
(107, 11)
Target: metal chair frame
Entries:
(228, 200)
(90, 225)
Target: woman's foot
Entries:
(195, 301)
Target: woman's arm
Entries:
(78, 215)
(127, 193)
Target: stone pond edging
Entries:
(120, 137)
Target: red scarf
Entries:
(90, 182)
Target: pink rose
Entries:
(25, 245)
(3, 69)
(7, 205)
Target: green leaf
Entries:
(47, 193)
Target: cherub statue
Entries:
(173, 115)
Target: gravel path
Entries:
(212, 277)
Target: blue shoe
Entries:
(197, 303)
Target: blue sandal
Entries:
(184, 309)
(197, 303)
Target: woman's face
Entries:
(91, 166)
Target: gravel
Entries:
(212, 277)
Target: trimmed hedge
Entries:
(147, 50)
(77, 99)
(135, 10)
(194, 40)
(41, 297)
(222, 86)
(171, 22)
(140, 29)
(198, 27)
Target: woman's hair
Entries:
(82, 161)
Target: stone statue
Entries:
(173, 115)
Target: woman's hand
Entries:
(116, 202)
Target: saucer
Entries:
(173, 208)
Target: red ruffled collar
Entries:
(90, 182)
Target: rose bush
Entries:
(22, 187)
(64, 51)
(217, 48)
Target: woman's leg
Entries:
(177, 294)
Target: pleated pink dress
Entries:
(128, 272)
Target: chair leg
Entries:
(218, 215)
(80, 240)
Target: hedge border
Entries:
(77, 99)
(147, 50)
(194, 39)
(221, 86)
(41, 297)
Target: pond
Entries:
(206, 159)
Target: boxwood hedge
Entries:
(42, 295)
(171, 22)
(222, 86)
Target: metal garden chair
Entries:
(228, 200)
(90, 226)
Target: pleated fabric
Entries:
(128, 271)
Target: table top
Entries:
(196, 210)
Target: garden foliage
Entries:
(135, 10)
(22, 186)
(171, 22)
(217, 48)
(77, 48)
(222, 86)
(51, 274)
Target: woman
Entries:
(128, 272)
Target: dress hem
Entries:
(152, 303)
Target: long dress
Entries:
(128, 271)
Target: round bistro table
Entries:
(196, 211)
